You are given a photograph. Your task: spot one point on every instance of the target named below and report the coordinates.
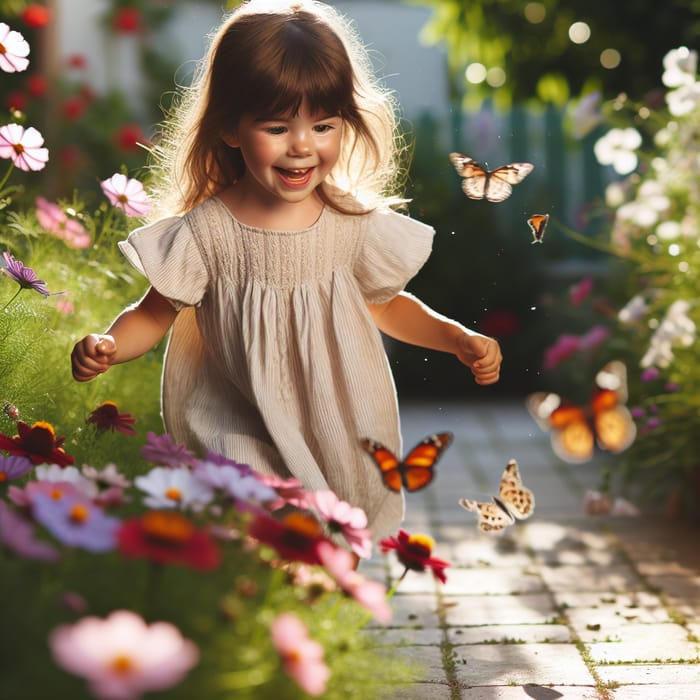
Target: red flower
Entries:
(36, 15)
(77, 61)
(37, 85)
(129, 136)
(414, 551)
(38, 442)
(168, 538)
(127, 20)
(499, 324)
(73, 108)
(295, 537)
(16, 100)
(107, 417)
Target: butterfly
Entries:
(538, 225)
(416, 470)
(576, 430)
(514, 501)
(494, 185)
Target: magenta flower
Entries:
(594, 337)
(650, 374)
(17, 535)
(76, 522)
(343, 518)
(162, 450)
(13, 50)
(565, 346)
(52, 489)
(52, 218)
(121, 656)
(371, 595)
(25, 277)
(302, 658)
(126, 194)
(579, 292)
(23, 146)
(14, 466)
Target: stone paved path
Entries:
(565, 605)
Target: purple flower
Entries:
(14, 466)
(164, 451)
(17, 534)
(23, 147)
(239, 485)
(650, 374)
(126, 194)
(25, 277)
(215, 458)
(76, 522)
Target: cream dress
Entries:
(273, 359)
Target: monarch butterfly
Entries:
(416, 470)
(538, 225)
(574, 430)
(493, 185)
(514, 500)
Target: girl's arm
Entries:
(409, 320)
(134, 332)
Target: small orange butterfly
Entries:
(538, 225)
(514, 501)
(416, 470)
(493, 185)
(574, 430)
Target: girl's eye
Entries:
(323, 128)
(275, 129)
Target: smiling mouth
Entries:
(295, 176)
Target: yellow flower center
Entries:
(303, 524)
(3, 477)
(122, 664)
(79, 513)
(174, 494)
(170, 527)
(424, 543)
(56, 494)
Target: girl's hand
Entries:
(482, 355)
(93, 355)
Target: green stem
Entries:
(3, 182)
(13, 298)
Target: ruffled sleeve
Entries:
(394, 248)
(166, 253)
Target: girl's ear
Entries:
(231, 140)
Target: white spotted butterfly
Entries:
(493, 185)
(514, 501)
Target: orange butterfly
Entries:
(538, 225)
(494, 185)
(575, 431)
(514, 500)
(416, 470)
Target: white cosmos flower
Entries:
(173, 488)
(680, 66)
(617, 148)
(683, 100)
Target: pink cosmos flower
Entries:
(594, 337)
(343, 518)
(23, 146)
(17, 535)
(302, 657)
(164, 451)
(565, 346)
(126, 194)
(371, 595)
(121, 657)
(52, 218)
(579, 292)
(13, 50)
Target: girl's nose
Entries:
(300, 143)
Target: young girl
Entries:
(276, 260)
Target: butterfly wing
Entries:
(515, 496)
(498, 186)
(571, 434)
(417, 467)
(460, 162)
(615, 428)
(538, 225)
(492, 518)
(475, 179)
(387, 462)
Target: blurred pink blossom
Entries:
(580, 291)
(52, 218)
(564, 347)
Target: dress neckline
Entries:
(277, 232)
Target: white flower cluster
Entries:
(676, 330)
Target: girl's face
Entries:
(287, 156)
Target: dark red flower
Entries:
(36, 15)
(77, 61)
(414, 552)
(129, 136)
(127, 20)
(167, 537)
(73, 108)
(37, 85)
(107, 417)
(295, 537)
(16, 100)
(499, 323)
(38, 442)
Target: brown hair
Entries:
(266, 59)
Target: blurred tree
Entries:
(521, 50)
